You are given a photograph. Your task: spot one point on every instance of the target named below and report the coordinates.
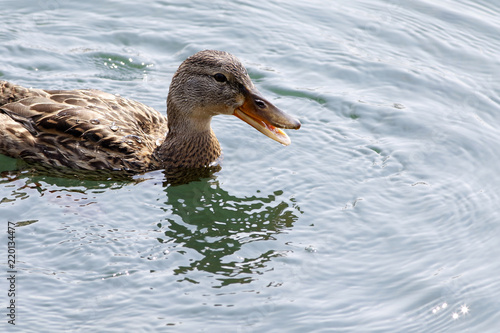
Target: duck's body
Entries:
(79, 129)
(94, 130)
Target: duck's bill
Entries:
(266, 118)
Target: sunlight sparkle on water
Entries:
(439, 307)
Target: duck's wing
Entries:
(81, 129)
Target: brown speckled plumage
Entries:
(79, 129)
(94, 130)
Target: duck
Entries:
(93, 130)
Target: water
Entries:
(381, 216)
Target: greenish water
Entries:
(381, 216)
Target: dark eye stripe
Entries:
(219, 77)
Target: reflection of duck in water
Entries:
(93, 130)
(219, 226)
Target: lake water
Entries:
(381, 216)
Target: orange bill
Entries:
(265, 117)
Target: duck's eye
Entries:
(220, 77)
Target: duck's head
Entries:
(210, 83)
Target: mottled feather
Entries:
(83, 129)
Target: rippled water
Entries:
(382, 216)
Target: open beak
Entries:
(265, 117)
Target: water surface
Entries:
(381, 216)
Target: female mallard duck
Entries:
(94, 130)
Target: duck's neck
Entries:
(190, 143)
